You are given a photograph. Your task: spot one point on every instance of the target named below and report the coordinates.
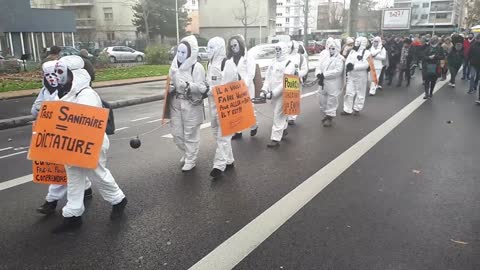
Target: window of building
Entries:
(288, 10)
(279, 4)
(288, 1)
(279, 25)
(108, 12)
(111, 36)
(441, 15)
(287, 20)
(416, 6)
(426, 5)
(424, 16)
(415, 17)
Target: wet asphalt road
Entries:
(411, 202)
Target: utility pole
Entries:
(305, 24)
(435, 21)
(176, 17)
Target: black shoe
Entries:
(408, 84)
(356, 113)
(237, 136)
(117, 209)
(273, 144)
(47, 208)
(463, 78)
(88, 194)
(328, 122)
(253, 132)
(389, 83)
(215, 173)
(425, 97)
(285, 133)
(399, 85)
(69, 224)
(324, 119)
(291, 122)
(230, 166)
(345, 113)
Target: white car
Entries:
(264, 55)
(123, 54)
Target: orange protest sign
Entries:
(49, 173)
(291, 95)
(68, 133)
(234, 107)
(166, 102)
(373, 72)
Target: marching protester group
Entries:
(357, 67)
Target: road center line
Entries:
(228, 254)
(16, 182)
(3, 149)
(14, 154)
(140, 119)
(122, 128)
(153, 121)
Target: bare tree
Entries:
(243, 16)
(473, 15)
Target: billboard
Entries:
(396, 18)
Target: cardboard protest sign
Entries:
(291, 95)
(234, 107)
(68, 133)
(49, 173)
(166, 102)
(373, 72)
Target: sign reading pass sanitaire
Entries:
(68, 133)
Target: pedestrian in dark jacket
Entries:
(394, 50)
(474, 57)
(88, 64)
(455, 61)
(431, 65)
(466, 62)
(405, 62)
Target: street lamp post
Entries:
(305, 24)
(435, 20)
(176, 19)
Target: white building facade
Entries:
(290, 16)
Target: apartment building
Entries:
(445, 15)
(223, 18)
(104, 21)
(290, 16)
(192, 9)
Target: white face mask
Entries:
(278, 52)
(332, 50)
(376, 43)
(51, 79)
(210, 52)
(235, 46)
(61, 71)
(182, 53)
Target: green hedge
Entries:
(157, 55)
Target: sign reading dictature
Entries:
(68, 133)
(234, 107)
(291, 95)
(49, 173)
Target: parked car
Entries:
(202, 54)
(10, 65)
(123, 54)
(314, 47)
(69, 50)
(265, 53)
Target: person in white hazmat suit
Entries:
(237, 53)
(219, 72)
(357, 77)
(273, 89)
(187, 89)
(331, 77)
(49, 92)
(349, 43)
(379, 55)
(75, 87)
(301, 69)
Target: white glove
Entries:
(269, 95)
(181, 86)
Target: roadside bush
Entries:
(157, 55)
(102, 60)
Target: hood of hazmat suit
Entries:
(245, 65)
(49, 90)
(299, 61)
(276, 70)
(379, 54)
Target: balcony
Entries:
(86, 23)
(77, 3)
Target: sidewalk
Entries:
(34, 92)
(15, 107)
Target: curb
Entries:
(34, 92)
(27, 120)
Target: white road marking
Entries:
(14, 154)
(140, 119)
(3, 149)
(228, 254)
(122, 128)
(16, 182)
(153, 121)
(205, 125)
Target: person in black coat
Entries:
(405, 62)
(431, 65)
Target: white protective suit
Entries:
(186, 116)
(216, 75)
(324, 55)
(245, 65)
(300, 63)
(332, 70)
(82, 93)
(357, 79)
(379, 55)
(50, 93)
(274, 84)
